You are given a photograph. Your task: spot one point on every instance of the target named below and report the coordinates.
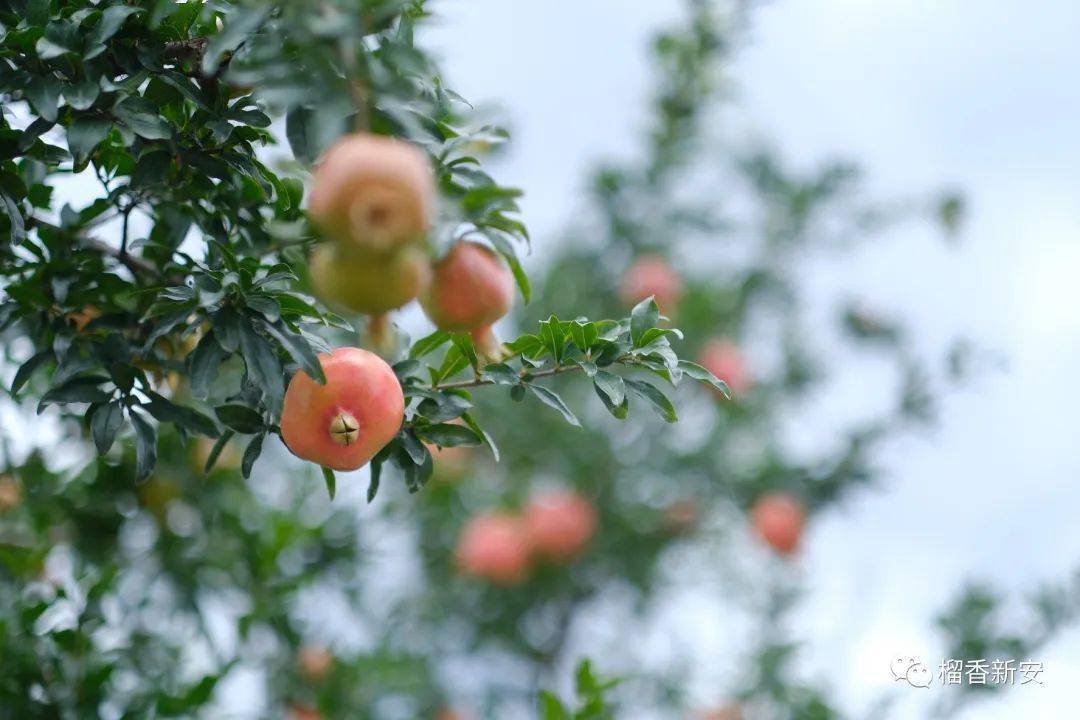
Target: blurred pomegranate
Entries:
(304, 712)
(778, 519)
(560, 524)
(724, 359)
(727, 712)
(652, 275)
(315, 662)
(10, 493)
(494, 546)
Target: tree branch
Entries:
(479, 382)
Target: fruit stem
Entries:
(488, 345)
(381, 334)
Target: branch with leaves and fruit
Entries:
(199, 318)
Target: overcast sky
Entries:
(925, 94)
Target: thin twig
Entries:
(477, 382)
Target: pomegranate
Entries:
(470, 289)
(652, 275)
(494, 546)
(376, 192)
(366, 282)
(560, 524)
(304, 712)
(315, 662)
(778, 519)
(10, 493)
(355, 279)
(724, 359)
(344, 423)
(727, 712)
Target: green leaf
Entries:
(471, 422)
(657, 399)
(551, 708)
(28, 368)
(238, 26)
(240, 418)
(653, 334)
(442, 406)
(166, 410)
(139, 115)
(298, 347)
(43, 92)
(510, 255)
(215, 452)
(554, 401)
(611, 352)
(584, 334)
(610, 386)
(412, 446)
(37, 12)
(83, 135)
(251, 454)
(448, 435)
(264, 368)
(429, 344)
(376, 469)
(643, 317)
(551, 335)
(331, 483)
(145, 446)
(203, 365)
(77, 390)
(61, 38)
(465, 345)
(81, 95)
(501, 374)
(697, 372)
(112, 19)
(106, 423)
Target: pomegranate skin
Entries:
(778, 519)
(494, 546)
(652, 275)
(560, 524)
(344, 423)
(471, 287)
(374, 191)
(367, 282)
(724, 359)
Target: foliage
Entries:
(176, 546)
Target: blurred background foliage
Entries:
(243, 591)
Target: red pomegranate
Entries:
(778, 518)
(724, 359)
(652, 275)
(344, 423)
(471, 287)
(494, 546)
(560, 524)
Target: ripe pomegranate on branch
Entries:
(190, 258)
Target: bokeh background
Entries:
(922, 94)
